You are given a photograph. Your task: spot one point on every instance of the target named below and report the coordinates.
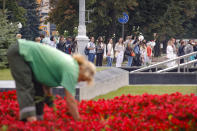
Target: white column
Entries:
(82, 39)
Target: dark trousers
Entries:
(136, 60)
(99, 59)
(29, 91)
(91, 57)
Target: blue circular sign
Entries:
(124, 19)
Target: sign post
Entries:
(123, 20)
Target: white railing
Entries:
(185, 57)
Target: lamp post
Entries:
(19, 27)
(82, 39)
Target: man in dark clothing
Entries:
(181, 50)
(61, 44)
(195, 49)
(74, 46)
(68, 45)
(136, 60)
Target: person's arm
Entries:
(89, 46)
(72, 106)
(116, 48)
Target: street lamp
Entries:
(82, 39)
(20, 25)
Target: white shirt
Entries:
(91, 45)
(110, 50)
(52, 44)
(170, 52)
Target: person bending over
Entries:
(37, 68)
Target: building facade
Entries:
(46, 28)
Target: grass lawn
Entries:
(5, 74)
(101, 68)
(139, 90)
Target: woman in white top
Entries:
(171, 53)
(119, 48)
(143, 52)
(52, 42)
(110, 52)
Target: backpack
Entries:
(86, 51)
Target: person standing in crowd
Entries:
(149, 53)
(195, 49)
(119, 48)
(42, 37)
(110, 52)
(181, 50)
(136, 61)
(74, 46)
(61, 44)
(171, 52)
(68, 45)
(129, 52)
(128, 39)
(99, 51)
(143, 53)
(52, 42)
(91, 48)
(189, 49)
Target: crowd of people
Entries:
(179, 48)
(136, 51)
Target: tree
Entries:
(31, 28)
(167, 18)
(64, 14)
(14, 11)
(8, 32)
(104, 17)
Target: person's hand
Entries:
(72, 106)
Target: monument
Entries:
(82, 39)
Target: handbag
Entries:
(86, 51)
(127, 52)
(132, 54)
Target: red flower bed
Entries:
(146, 112)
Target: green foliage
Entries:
(167, 18)
(8, 32)
(65, 15)
(31, 28)
(14, 11)
(105, 17)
